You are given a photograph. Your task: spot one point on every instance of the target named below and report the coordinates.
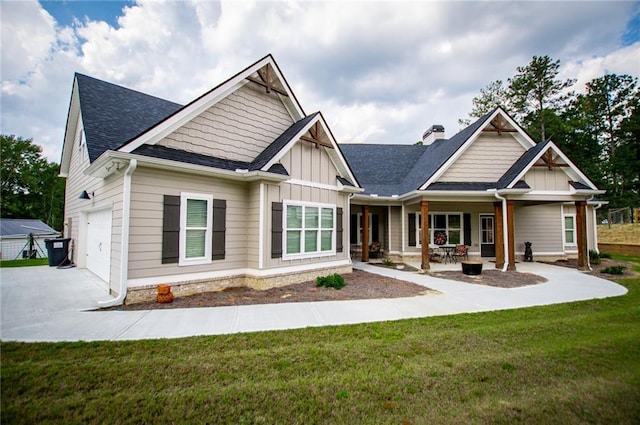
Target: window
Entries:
(448, 223)
(196, 220)
(309, 230)
(81, 147)
(569, 226)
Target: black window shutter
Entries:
(467, 229)
(375, 228)
(171, 229)
(339, 230)
(219, 229)
(276, 230)
(353, 231)
(412, 230)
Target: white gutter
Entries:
(505, 228)
(124, 238)
(595, 227)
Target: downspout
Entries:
(505, 237)
(124, 238)
(351, 195)
(595, 227)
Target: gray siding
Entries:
(238, 127)
(145, 241)
(541, 225)
(486, 160)
(542, 178)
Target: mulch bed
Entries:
(360, 285)
(604, 263)
(493, 277)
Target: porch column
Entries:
(424, 235)
(365, 233)
(511, 237)
(581, 230)
(499, 234)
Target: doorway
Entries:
(487, 236)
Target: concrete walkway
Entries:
(47, 304)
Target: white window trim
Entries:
(431, 233)
(569, 246)
(315, 254)
(81, 147)
(183, 261)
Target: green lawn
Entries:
(25, 263)
(575, 363)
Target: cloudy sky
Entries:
(380, 72)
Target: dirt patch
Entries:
(493, 277)
(597, 268)
(360, 285)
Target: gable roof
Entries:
(113, 114)
(24, 226)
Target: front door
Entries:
(487, 236)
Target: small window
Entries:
(309, 230)
(195, 228)
(569, 230)
(81, 147)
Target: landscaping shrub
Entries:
(614, 270)
(605, 255)
(331, 281)
(387, 261)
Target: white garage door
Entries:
(99, 243)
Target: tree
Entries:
(535, 93)
(493, 95)
(30, 186)
(609, 103)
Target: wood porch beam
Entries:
(424, 235)
(581, 237)
(511, 236)
(499, 234)
(365, 233)
(268, 87)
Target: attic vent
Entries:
(436, 132)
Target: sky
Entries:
(380, 72)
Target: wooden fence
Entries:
(620, 248)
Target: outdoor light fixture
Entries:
(84, 195)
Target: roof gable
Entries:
(264, 73)
(22, 227)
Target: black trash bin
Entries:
(57, 251)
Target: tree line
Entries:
(599, 129)
(30, 186)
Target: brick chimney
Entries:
(436, 132)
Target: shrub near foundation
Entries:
(331, 281)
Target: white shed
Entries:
(24, 238)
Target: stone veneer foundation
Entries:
(183, 289)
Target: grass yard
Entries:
(25, 263)
(573, 363)
(619, 233)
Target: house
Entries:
(490, 187)
(241, 187)
(238, 187)
(24, 238)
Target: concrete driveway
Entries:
(48, 304)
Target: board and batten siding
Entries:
(148, 188)
(306, 162)
(294, 192)
(542, 226)
(239, 127)
(544, 179)
(106, 194)
(486, 160)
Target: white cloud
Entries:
(380, 72)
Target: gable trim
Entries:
(558, 152)
(74, 118)
(334, 154)
(520, 136)
(210, 98)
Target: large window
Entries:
(569, 225)
(195, 228)
(309, 229)
(448, 223)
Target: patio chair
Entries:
(434, 257)
(375, 249)
(461, 251)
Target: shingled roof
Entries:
(113, 115)
(406, 167)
